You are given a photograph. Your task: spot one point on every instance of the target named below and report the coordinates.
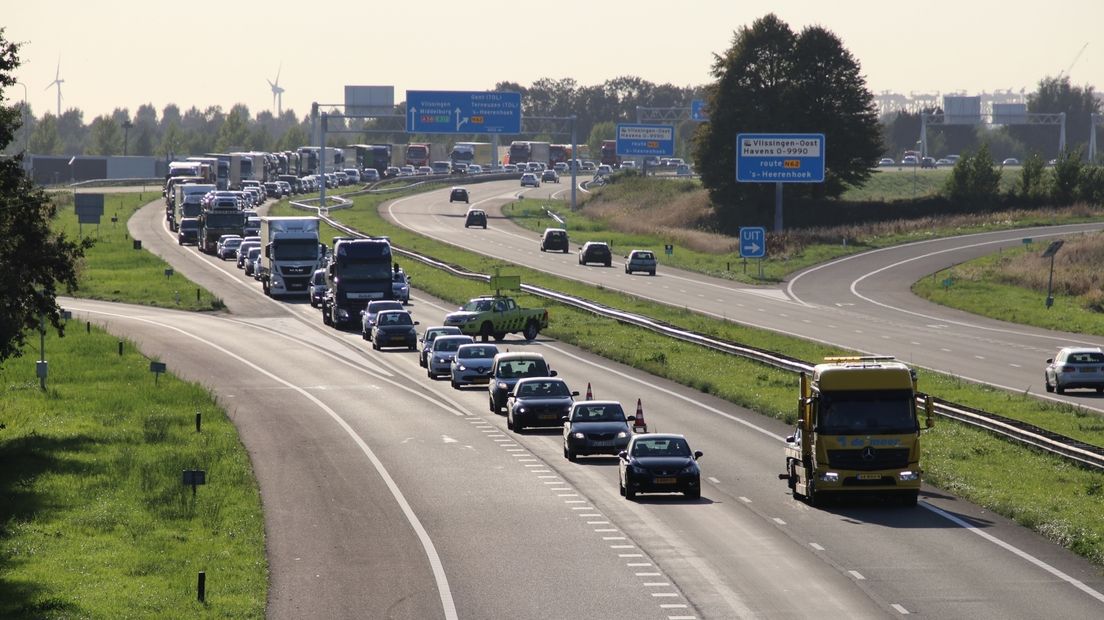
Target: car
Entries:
(910, 160)
(318, 287)
(659, 463)
(228, 248)
(530, 179)
(886, 161)
(407, 171)
(588, 165)
(628, 163)
(424, 171)
(596, 427)
(509, 368)
(441, 167)
(475, 169)
(1075, 367)
(441, 353)
(595, 252)
(459, 168)
(927, 162)
(641, 260)
(243, 251)
(683, 170)
(475, 217)
(256, 261)
(392, 171)
(534, 166)
(554, 239)
(251, 259)
(394, 328)
(400, 286)
(538, 401)
(561, 167)
(472, 364)
(510, 168)
(188, 231)
(352, 175)
(550, 176)
(1010, 161)
(273, 189)
(954, 158)
(943, 161)
(368, 316)
(458, 194)
(429, 335)
(604, 170)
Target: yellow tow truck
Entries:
(857, 431)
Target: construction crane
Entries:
(1074, 62)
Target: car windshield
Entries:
(870, 412)
(543, 389)
(395, 318)
(1085, 357)
(598, 413)
(478, 305)
(644, 255)
(375, 307)
(668, 446)
(481, 352)
(447, 344)
(516, 369)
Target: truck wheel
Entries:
(531, 330)
(486, 331)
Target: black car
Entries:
(655, 463)
(554, 239)
(458, 194)
(595, 252)
(475, 217)
(596, 427)
(509, 368)
(538, 401)
(188, 231)
(394, 328)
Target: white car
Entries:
(529, 179)
(1075, 367)
(472, 364)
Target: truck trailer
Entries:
(358, 272)
(472, 153)
(522, 151)
(858, 431)
(291, 252)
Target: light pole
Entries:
(126, 135)
(916, 169)
(23, 114)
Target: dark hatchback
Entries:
(596, 427)
(188, 231)
(538, 401)
(655, 463)
(475, 217)
(554, 240)
(394, 328)
(595, 252)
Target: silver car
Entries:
(428, 336)
(1075, 367)
(400, 286)
(472, 364)
(641, 260)
(441, 354)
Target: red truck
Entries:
(609, 153)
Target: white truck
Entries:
(291, 252)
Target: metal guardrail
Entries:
(1074, 450)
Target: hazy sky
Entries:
(124, 53)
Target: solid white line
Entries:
(447, 603)
(1016, 551)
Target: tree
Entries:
(45, 139)
(974, 179)
(601, 131)
(34, 261)
(1055, 95)
(105, 137)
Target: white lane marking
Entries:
(664, 594)
(649, 574)
(604, 529)
(447, 439)
(900, 610)
(622, 546)
(856, 574)
(778, 521)
(744, 499)
(979, 357)
(638, 564)
(713, 480)
(575, 501)
(816, 546)
(447, 603)
(1016, 551)
(1015, 365)
(630, 555)
(613, 538)
(656, 584)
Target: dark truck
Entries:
(359, 271)
(221, 216)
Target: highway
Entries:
(862, 302)
(390, 495)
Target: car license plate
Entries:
(1088, 370)
(870, 476)
(548, 416)
(398, 338)
(665, 480)
(601, 444)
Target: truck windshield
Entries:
(295, 249)
(191, 209)
(867, 412)
(378, 270)
(478, 305)
(224, 220)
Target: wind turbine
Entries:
(277, 93)
(57, 82)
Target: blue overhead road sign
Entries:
(753, 242)
(446, 111)
(658, 140)
(698, 110)
(780, 158)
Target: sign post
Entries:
(445, 111)
(753, 244)
(779, 158)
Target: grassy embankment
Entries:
(1012, 286)
(94, 520)
(1063, 502)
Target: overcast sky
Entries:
(124, 53)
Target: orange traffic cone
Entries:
(589, 396)
(639, 425)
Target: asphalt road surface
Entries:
(387, 494)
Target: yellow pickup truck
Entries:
(495, 316)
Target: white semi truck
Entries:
(291, 254)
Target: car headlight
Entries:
(636, 469)
(578, 435)
(829, 477)
(521, 409)
(443, 360)
(689, 469)
(342, 313)
(908, 475)
(503, 386)
(622, 435)
(460, 367)
(412, 332)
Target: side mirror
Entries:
(623, 455)
(791, 438)
(575, 393)
(552, 373)
(698, 455)
(631, 418)
(563, 419)
(417, 323)
(1050, 361)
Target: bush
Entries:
(1032, 185)
(974, 180)
(1065, 178)
(1090, 187)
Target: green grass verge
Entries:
(114, 271)
(94, 520)
(984, 296)
(1038, 490)
(890, 184)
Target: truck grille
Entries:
(295, 271)
(869, 459)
